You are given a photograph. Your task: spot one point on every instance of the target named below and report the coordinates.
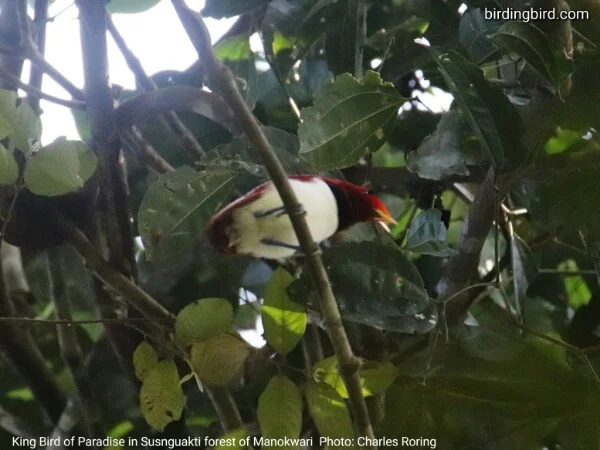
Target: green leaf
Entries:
(284, 320)
(161, 397)
(129, 6)
(144, 359)
(375, 284)
(232, 440)
(234, 48)
(18, 122)
(460, 75)
(532, 44)
(59, 168)
(328, 411)
(218, 359)
(442, 153)
(220, 9)
(9, 170)
(203, 319)
(523, 269)
(563, 140)
(177, 207)
(280, 409)
(239, 153)
(578, 292)
(375, 376)
(561, 178)
(427, 235)
(348, 119)
(474, 31)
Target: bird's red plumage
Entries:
(354, 204)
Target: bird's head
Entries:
(357, 204)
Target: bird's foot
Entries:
(278, 211)
(276, 243)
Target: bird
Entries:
(257, 224)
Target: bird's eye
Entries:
(370, 192)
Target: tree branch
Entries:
(145, 152)
(36, 94)
(70, 349)
(134, 295)
(99, 100)
(40, 19)
(224, 80)
(170, 121)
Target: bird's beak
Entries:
(385, 216)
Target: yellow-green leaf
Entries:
(144, 359)
(9, 170)
(280, 409)
(59, 168)
(578, 292)
(284, 320)
(232, 440)
(161, 397)
(18, 122)
(203, 319)
(375, 376)
(329, 412)
(216, 360)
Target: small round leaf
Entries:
(203, 319)
(144, 360)
(59, 168)
(218, 359)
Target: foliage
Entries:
(342, 97)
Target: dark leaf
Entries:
(349, 118)
(427, 235)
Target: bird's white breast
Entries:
(248, 232)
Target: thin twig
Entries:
(36, 93)
(170, 120)
(225, 82)
(70, 322)
(40, 20)
(70, 349)
(133, 294)
(146, 153)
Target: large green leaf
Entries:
(376, 285)
(427, 235)
(349, 118)
(375, 376)
(239, 153)
(18, 122)
(445, 152)
(284, 320)
(203, 319)
(478, 103)
(474, 31)
(161, 397)
(527, 40)
(280, 410)
(176, 208)
(329, 412)
(59, 168)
